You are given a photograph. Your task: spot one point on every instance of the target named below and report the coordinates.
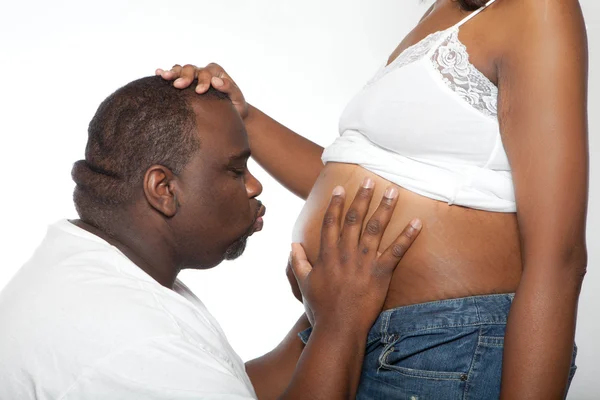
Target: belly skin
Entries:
(460, 251)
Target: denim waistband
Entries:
(465, 311)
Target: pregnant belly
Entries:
(460, 252)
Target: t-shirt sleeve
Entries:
(160, 369)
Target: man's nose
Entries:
(253, 186)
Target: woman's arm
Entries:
(290, 158)
(543, 120)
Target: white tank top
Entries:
(428, 122)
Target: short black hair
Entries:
(144, 123)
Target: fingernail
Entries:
(368, 183)
(338, 191)
(217, 81)
(391, 193)
(201, 88)
(416, 223)
(178, 80)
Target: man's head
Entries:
(170, 163)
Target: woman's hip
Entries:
(448, 349)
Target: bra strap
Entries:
(474, 13)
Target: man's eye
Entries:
(238, 172)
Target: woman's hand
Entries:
(348, 283)
(213, 74)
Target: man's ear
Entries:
(160, 186)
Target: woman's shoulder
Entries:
(529, 23)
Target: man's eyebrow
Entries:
(240, 156)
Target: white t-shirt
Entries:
(80, 321)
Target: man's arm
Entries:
(326, 352)
(542, 108)
(271, 374)
(330, 365)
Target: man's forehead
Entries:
(240, 155)
(220, 126)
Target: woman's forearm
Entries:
(290, 158)
(540, 333)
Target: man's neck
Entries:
(151, 253)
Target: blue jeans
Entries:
(442, 350)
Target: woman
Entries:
(487, 146)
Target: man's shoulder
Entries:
(80, 294)
(84, 303)
(76, 279)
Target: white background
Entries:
(298, 61)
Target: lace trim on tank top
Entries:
(451, 59)
(409, 55)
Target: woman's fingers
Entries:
(207, 74)
(390, 258)
(227, 86)
(373, 232)
(172, 73)
(187, 75)
(330, 231)
(355, 216)
(204, 76)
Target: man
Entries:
(98, 311)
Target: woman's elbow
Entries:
(573, 263)
(576, 259)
